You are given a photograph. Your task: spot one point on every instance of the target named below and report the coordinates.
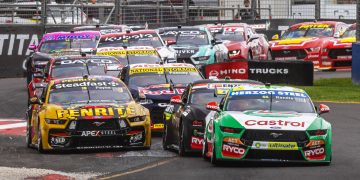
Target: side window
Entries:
(123, 74)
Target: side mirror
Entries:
(35, 100)
(275, 37)
(213, 106)
(215, 42)
(32, 47)
(337, 35)
(176, 100)
(324, 109)
(170, 42)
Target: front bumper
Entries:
(296, 54)
(233, 147)
(156, 110)
(339, 58)
(61, 137)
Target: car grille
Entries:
(298, 53)
(265, 135)
(272, 154)
(85, 125)
(97, 141)
(342, 63)
(334, 53)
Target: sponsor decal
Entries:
(278, 123)
(134, 52)
(86, 61)
(268, 92)
(196, 142)
(112, 53)
(98, 133)
(17, 42)
(174, 33)
(234, 70)
(185, 51)
(307, 26)
(162, 92)
(315, 153)
(127, 37)
(91, 112)
(159, 70)
(136, 138)
(86, 84)
(269, 70)
(274, 145)
(232, 150)
(158, 126)
(74, 36)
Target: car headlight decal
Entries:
(318, 132)
(230, 129)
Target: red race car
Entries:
(305, 41)
(338, 51)
(240, 42)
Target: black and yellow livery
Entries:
(90, 112)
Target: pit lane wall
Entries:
(290, 72)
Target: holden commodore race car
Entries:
(74, 66)
(87, 112)
(154, 84)
(132, 55)
(103, 29)
(240, 42)
(267, 124)
(139, 38)
(193, 45)
(305, 41)
(338, 52)
(52, 43)
(185, 115)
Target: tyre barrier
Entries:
(292, 72)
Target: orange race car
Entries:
(306, 41)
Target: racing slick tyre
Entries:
(249, 58)
(269, 55)
(165, 143)
(39, 141)
(205, 150)
(181, 141)
(28, 134)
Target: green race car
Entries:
(267, 123)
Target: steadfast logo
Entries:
(17, 42)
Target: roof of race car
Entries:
(71, 35)
(265, 87)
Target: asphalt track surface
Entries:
(19, 162)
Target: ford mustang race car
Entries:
(52, 43)
(338, 52)
(185, 115)
(154, 84)
(86, 113)
(73, 66)
(139, 38)
(103, 29)
(267, 124)
(305, 41)
(193, 45)
(240, 42)
(132, 55)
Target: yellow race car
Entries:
(90, 112)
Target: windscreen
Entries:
(148, 39)
(183, 77)
(51, 45)
(350, 32)
(86, 91)
(146, 79)
(203, 96)
(271, 100)
(192, 38)
(148, 56)
(311, 30)
(231, 34)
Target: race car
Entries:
(139, 38)
(74, 66)
(103, 29)
(193, 45)
(267, 123)
(337, 54)
(154, 84)
(305, 41)
(185, 115)
(87, 112)
(52, 43)
(240, 42)
(132, 55)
